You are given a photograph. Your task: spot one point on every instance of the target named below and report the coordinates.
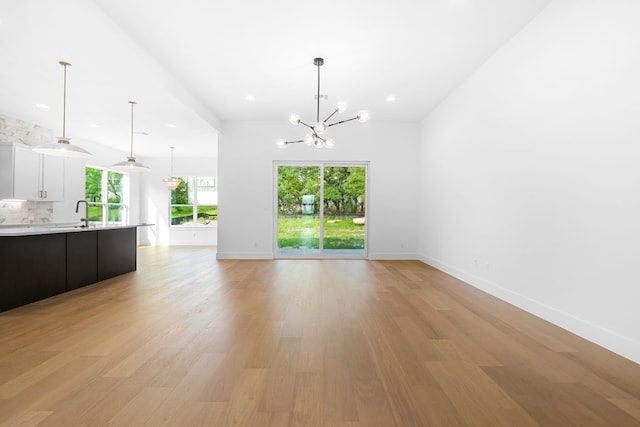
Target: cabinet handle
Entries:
(45, 194)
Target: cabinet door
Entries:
(117, 251)
(32, 268)
(52, 178)
(26, 183)
(6, 171)
(82, 259)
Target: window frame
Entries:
(104, 196)
(195, 179)
(321, 253)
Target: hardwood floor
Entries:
(191, 341)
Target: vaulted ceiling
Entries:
(193, 63)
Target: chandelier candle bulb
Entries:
(294, 119)
(363, 116)
(320, 128)
(308, 139)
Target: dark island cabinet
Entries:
(31, 268)
(116, 252)
(82, 259)
(37, 266)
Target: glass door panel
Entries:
(299, 210)
(321, 210)
(344, 199)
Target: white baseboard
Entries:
(244, 255)
(610, 340)
(381, 256)
(269, 255)
(192, 243)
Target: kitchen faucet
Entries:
(86, 212)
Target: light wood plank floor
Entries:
(191, 341)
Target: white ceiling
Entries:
(192, 63)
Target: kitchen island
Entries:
(38, 262)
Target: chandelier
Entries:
(316, 137)
(63, 147)
(172, 182)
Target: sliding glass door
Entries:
(298, 210)
(321, 210)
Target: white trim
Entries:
(381, 256)
(194, 205)
(125, 197)
(610, 340)
(244, 255)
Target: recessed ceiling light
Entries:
(391, 98)
(42, 106)
(250, 98)
(171, 125)
(93, 125)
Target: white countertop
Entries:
(35, 229)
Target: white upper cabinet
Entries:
(28, 175)
(52, 172)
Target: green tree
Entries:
(335, 200)
(354, 188)
(344, 188)
(180, 196)
(289, 188)
(93, 184)
(293, 183)
(114, 187)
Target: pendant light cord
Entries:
(62, 147)
(318, 107)
(171, 162)
(132, 104)
(64, 100)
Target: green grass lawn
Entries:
(303, 232)
(183, 215)
(95, 214)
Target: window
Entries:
(194, 202)
(106, 193)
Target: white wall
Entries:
(530, 184)
(156, 197)
(246, 154)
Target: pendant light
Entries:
(63, 147)
(131, 164)
(171, 182)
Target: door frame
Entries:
(321, 164)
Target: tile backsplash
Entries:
(16, 130)
(16, 212)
